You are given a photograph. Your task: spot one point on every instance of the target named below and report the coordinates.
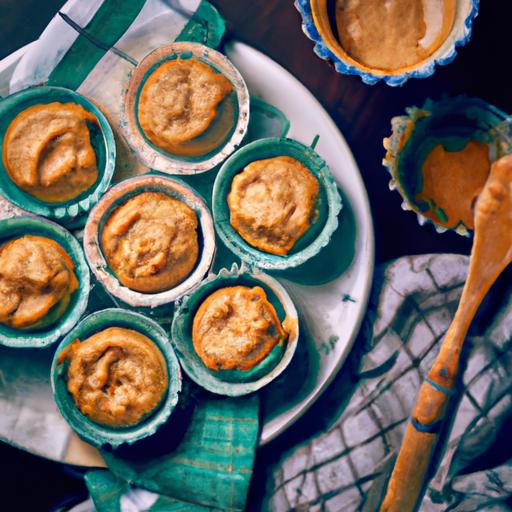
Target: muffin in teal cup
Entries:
(149, 241)
(44, 282)
(58, 153)
(275, 203)
(115, 378)
(439, 157)
(236, 332)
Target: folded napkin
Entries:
(411, 306)
(208, 469)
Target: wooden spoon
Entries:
(490, 255)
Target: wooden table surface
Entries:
(362, 113)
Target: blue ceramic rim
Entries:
(21, 339)
(247, 252)
(211, 382)
(391, 161)
(72, 208)
(423, 71)
(110, 435)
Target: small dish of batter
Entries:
(47, 151)
(151, 242)
(272, 203)
(116, 377)
(37, 279)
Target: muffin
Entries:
(58, 153)
(186, 108)
(236, 328)
(47, 151)
(37, 280)
(179, 101)
(272, 203)
(151, 242)
(116, 377)
(275, 203)
(236, 332)
(44, 282)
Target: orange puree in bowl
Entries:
(393, 34)
(452, 180)
(47, 151)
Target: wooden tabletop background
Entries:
(363, 115)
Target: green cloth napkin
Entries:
(211, 467)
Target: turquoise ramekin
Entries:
(103, 435)
(28, 225)
(329, 204)
(234, 382)
(70, 212)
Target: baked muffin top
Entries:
(151, 242)
(47, 151)
(272, 203)
(36, 282)
(179, 100)
(235, 328)
(116, 376)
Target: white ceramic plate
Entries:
(331, 313)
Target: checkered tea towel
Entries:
(345, 469)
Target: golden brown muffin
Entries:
(235, 328)
(272, 203)
(36, 275)
(393, 34)
(116, 377)
(451, 182)
(151, 242)
(47, 151)
(179, 101)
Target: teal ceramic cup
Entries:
(161, 160)
(16, 227)
(328, 205)
(103, 435)
(234, 382)
(451, 123)
(117, 196)
(102, 140)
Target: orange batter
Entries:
(235, 328)
(179, 102)
(36, 282)
(393, 34)
(452, 180)
(116, 377)
(47, 151)
(272, 203)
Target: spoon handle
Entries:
(419, 442)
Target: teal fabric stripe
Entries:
(111, 22)
(108, 25)
(105, 490)
(206, 26)
(164, 504)
(213, 464)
